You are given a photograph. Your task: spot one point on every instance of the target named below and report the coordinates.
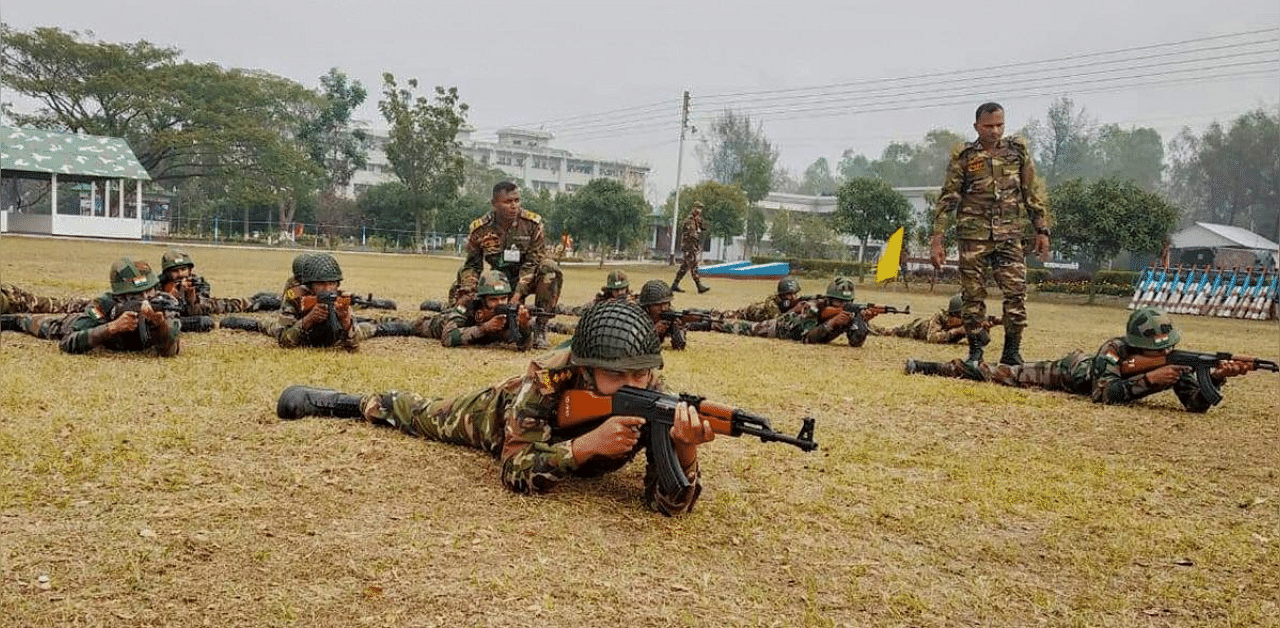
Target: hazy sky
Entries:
(822, 76)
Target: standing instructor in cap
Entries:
(691, 245)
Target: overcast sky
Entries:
(821, 75)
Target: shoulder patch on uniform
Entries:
(528, 215)
(479, 222)
(1111, 356)
(958, 148)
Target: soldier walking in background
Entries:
(691, 246)
(992, 192)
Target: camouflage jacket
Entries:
(1100, 375)
(536, 454)
(769, 308)
(933, 329)
(992, 196)
(457, 326)
(691, 236)
(289, 330)
(517, 251)
(88, 331)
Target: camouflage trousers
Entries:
(218, 305)
(47, 326)
(762, 329)
(15, 300)
(689, 264)
(1007, 262)
(1070, 373)
(474, 420)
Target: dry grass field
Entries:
(138, 491)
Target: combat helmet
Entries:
(787, 285)
(956, 305)
(653, 292)
(175, 258)
(130, 276)
(299, 261)
(318, 267)
(840, 288)
(493, 284)
(616, 335)
(617, 280)
(1151, 328)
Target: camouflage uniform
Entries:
(519, 252)
(15, 300)
(691, 248)
(458, 327)
(804, 322)
(996, 201)
(769, 308)
(288, 331)
(1097, 376)
(514, 422)
(934, 329)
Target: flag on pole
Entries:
(890, 257)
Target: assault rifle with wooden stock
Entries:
(160, 302)
(1201, 363)
(658, 410)
(330, 332)
(697, 320)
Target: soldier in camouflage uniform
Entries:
(298, 326)
(815, 321)
(516, 421)
(511, 240)
(476, 323)
(616, 286)
(992, 192)
(15, 300)
(691, 247)
(944, 327)
(655, 298)
(178, 278)
(104, 323)
(786, 297)
(1149, 333)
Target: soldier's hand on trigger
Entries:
(124, 323)
(614, 438)
(841, 320)
(494, 325)
(1166, 375)
(318, 314)
(661, 327)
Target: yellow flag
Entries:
(888, 267)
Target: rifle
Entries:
(1248, 296)
(658, 409)
(1166, 293)
(1259, 308)
(1233, 294)
(372, 303)
(1220, 287)
(702, 319)
(160, 302)
(331, 331)
(856, 308)
(1201, 363)
(512, 312)
(1141, 285)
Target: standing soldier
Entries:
(511, 240)
(112, 320)
(691, 245)
(992, 190)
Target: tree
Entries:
(818, 180)
(1136, 155)
(1098, 220)
(803, 236)
(327, 133)
(423, 146)
(1230, 176)
(853, 166)
(724, 208)
(869, 208)
(1064, 148)
(607, 214)
(738, 153)
(757, 224)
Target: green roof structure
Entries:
(70, 156)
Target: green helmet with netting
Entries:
(1151, 328)
(840, 288)
(616, 280)
(787, 285)
(175, 258)
(616, 335)
(956, 305)
(299, 261)
(319, 267)
(129, 276)
(655, 291)
(493, 284)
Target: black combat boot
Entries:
(538, 339)
(299, 401)
(923, 368)
(11, 322)
(1011, 354)
(393, 328)
(263, 302)
(675, 285)
(701, 288)
(431, 305)
(240, 322)
(977, 340)
(196, 324)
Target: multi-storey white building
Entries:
(525, 155)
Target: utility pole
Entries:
(675, 211)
